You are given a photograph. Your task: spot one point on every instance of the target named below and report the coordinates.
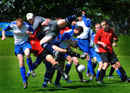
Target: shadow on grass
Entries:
(64, 88)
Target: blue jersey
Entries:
(61, 39)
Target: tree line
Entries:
(116, 11)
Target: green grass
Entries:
(11, 81)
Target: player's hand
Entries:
(104, 45)
(3, 38)
(114, 44)
(83, 56)
(45, 22)
(28, 32)
(74, 23)
(83, 13)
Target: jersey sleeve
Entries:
(114, 36)
(37, 22)
(6, 28)
(64, 37)
(97, 37)
(73, 26)
(86, 21)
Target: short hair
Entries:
(20, 20)
(107, 22)
(80, 28)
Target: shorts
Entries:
(92, 52)
(62, 57)
(109, 57)
(43, 54)
(98, 57)
(19, 49)
(83, 45)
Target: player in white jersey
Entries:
(83, 40)
(21, 31)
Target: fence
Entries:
(8, 33)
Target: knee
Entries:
(118, 64)
(21, 64)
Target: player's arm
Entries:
(97, 39)
(46, 22)
(73, 25)
(4, 31)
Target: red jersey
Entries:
(63, 30)
(35, 43)
(107, 38)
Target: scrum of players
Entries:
(51, 41)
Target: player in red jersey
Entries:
(105, 37)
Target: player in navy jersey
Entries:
(64, 41)
(49, 29)
(21, 31)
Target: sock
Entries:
(80, 74)
(118, 72)
(123, 73)
(90, 66)
(71, 18)
(56, 66)
(52, 73)
(87, 70)
(97, 75)
(58, 77)
(23, 73)
(29, 62)
(94, 65)
(102, 73)
(36, 63)
(67, 68)
(48, 47)
(71, 53)
(111, 71)
(48, 73)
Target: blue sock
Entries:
(90, 66)
(48, 73)
(70, 18)
(29, 62)
(67, 68)
(36, 63)
(48, 47)
(118, 72)
(23, 73)
(87, 70)
(94, 65)
(97, 75)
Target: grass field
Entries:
(11, 81)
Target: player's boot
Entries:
(84, 80)
(28, 74)
(33, 73)
(57, 55)
(25, 84)
(44, 86)
(100, 81)
(78, 12)
(68, 81)
(83, 56)
(65, 76)
(110, 76)
(128, 80)
(91, 77)
(57, 84)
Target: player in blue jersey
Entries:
(64, 41)
(21, 31)
(83, 40)
(48, 29)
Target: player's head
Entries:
(19, 23)
(79, 18)
(97, 27)
(30, 17)
(105, 25)
(78, 30)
